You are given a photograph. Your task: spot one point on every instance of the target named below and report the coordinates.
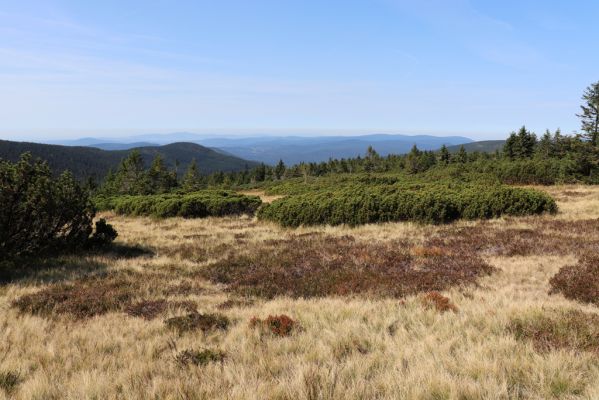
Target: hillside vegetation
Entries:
(86, 162)
(208, 203)
(235, 308)
(360, 203)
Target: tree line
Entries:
(525, 158)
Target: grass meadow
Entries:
(236, 308)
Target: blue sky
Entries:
(476, 68)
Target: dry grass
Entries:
(511, 338)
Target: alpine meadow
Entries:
(363, 264)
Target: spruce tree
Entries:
(589, 116)
(192, 179)
(280, 169)
(444, 155)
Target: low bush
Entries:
(279, 325)
(320, 266)
(82, 299)
(362, 204)
(41, 213)
(199, 357)
(147, 309)
(438, 302)
(103, 235)
(194, 321)
(9, 380)
(208, 203)
(558, 329)
(580, 281)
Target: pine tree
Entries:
(545, 146)
(158, 178)
(444, 155)
(280, 169)
(589, 116)
(192, 179)
(129, 178)
(527, 141)
(462, 156)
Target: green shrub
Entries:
(9, 380)
(42, 213)
(432, 203)
(199, 357)
(208, 203)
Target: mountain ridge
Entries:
(86, 161)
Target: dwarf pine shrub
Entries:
(208, 203)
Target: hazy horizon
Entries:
(73, 69)
(126, 135)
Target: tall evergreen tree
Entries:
(129, 178)
(462, 156)
(159, 179)
(192, 179)
(280, 170)
(444, 155)
(589, 116)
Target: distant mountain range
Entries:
(85, 161)
(290, 149)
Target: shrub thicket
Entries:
(42, 213)
(208, 203)
(433, 203)
(580, 281)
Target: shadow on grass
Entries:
(53, 268)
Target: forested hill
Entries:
(483, 146)
(86, 162)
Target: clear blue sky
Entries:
(478, 68)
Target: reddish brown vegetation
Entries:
(323, 266)
(279, 325)
(84, 298)
(147, 309)
(183, 289)
(150, 309)
(542, 237)
(232, 303)
(439, 302)
(572, 329)
(579, 282)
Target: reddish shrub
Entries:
(84, 298)
(279, 325)
(578, 282)
(147, 309)
(439, 302)
(150, 309)
(557, 329)
(231, 303)
(323, 266)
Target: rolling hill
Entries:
(291, 149)
(295, 149)
(86, 162)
